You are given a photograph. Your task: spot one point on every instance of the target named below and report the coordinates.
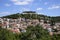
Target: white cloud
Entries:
(25, 9)
(22, 2)
(7, 4)
(39, 8)
(4, 13)
(54, 7)
(14, 0)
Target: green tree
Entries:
(35, 33)
(6, 35)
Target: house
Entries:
(20, 24)
(35, 22)
(15, 30)
(41, 22)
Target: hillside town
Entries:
(19, 25)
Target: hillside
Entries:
(32, 32)
(28, 15)
(32, 15)
(56, 19)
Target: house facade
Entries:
(20, 24)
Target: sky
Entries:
(45, 7)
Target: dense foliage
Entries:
(56, 19)
(32, 33)
(6, 35)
